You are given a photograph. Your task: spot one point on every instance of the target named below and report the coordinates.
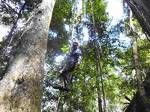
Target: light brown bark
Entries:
(136, 61)
(21, 86)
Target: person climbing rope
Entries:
(72, 60)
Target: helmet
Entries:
(75, 44)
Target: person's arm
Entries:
(64, 63)
(79, 58)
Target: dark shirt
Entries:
(72, 60)
(75, 54)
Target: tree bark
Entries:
(141, 9)
(21, 86)
(136, 61)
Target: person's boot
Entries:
(61, 88)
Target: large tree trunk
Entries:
(141, 100)
(21, 86)
(141, 9)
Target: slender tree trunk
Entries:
(100, 108)
(60, 103)
(102, 84)
(99, 100)
(100, 92)
(21, 86)
(98, 74)
(136, 61)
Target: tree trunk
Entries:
(136, 62)
(98, 74)
(60, 103)
(97, 48)
(141, 9)
(21, 86)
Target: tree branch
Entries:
(8, 6)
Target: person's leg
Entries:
(63, 77)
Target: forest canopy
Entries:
(91, 57)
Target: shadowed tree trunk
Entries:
(141, 9)
(21, 86)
